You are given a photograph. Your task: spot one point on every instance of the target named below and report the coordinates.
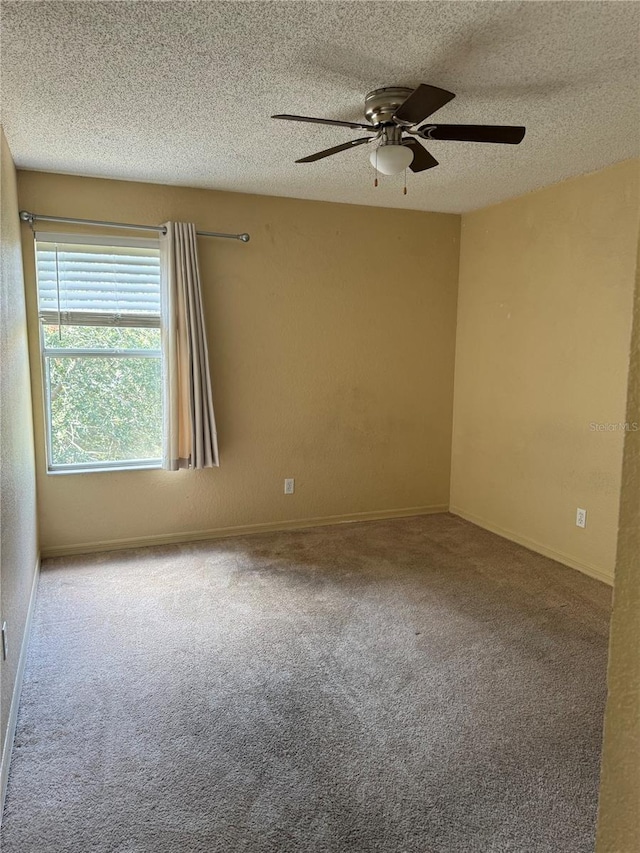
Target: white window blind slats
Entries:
(98, 318)
(98, 285)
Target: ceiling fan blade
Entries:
(353, 124)
(421, 158)
(472, 133)
(421, 103)
(329, 151)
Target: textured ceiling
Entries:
(181, 93)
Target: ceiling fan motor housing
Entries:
(381, 104)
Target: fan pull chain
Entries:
(404, 192)
(375, 182)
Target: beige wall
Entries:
(544, 319)
(619, 819)
(332, 346)
(18, 542)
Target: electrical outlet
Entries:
(581, 517)
(5, 641)
(289, 486)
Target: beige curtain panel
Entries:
(190, 439)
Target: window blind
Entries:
(98, 285)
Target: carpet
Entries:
(409, 686)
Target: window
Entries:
(99, 311)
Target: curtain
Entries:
(189, 425)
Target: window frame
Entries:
(88, 352)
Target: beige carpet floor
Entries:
(409, 686)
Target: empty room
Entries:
(320, 481)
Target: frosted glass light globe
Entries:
(391, 159)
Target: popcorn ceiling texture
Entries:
(181, 93)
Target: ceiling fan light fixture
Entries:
(391, 159)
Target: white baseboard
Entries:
(559, 556)
(241, 530)
(7, 746)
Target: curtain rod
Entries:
(25, 216)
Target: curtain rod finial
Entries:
(25, 216)
(245, 238)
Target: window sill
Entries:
(95, 469)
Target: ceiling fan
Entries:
(392, 114)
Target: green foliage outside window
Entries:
(100, 337)
(104, 409)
